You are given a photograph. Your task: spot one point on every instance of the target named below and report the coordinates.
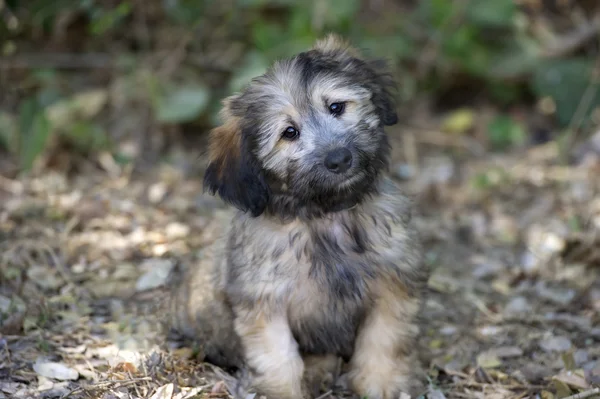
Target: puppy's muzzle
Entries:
(338, 160)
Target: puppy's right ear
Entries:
(233, 171)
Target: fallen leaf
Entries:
(89, 103)
(562, 389)
(156, 276)
(44, 384)
(164, 392)
(126, 367)
(182, 104)
(459, 121)
(488, 360)
(54, 370)
(574, 379)
(219, 387)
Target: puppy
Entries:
(319, 259)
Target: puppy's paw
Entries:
(391, 386)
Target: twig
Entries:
(586, 394)
(106, 384)
(573, 40)
(325, 395)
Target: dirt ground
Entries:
(513, 309)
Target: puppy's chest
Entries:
(321, 277)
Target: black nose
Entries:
(338, 160)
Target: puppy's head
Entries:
(308, 134)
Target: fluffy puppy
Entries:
(319, 258)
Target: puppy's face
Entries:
(306, 134)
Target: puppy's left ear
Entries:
(383, 86)
(233, 171)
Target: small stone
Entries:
(558, 295)
(535, 372)
(435, 394)
(448, 330)
(157, 192)
(518, 305)
(555, 344)
(177, 230)
(580, 356)
(487, 269)
(489, 331)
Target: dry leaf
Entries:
(164, 392)
(54, 370)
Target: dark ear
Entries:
(378, 79)
(233, 171)
(383, 86)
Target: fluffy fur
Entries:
(313, 264)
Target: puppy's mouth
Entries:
(350, 180)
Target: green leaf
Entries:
(185, 12)
(104, 20)
(339, 13)
(497, 13)
(394, 47)
(517, 59)
(567, 81)
(87, 136)
(34, 129)
(267, 35)
(503, 132)
(182, 104)
(436, 12)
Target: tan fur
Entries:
(335, 44)
(382, 364)
(314, 266)
(225, 143)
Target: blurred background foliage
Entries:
(132, 77)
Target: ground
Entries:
(513, 307)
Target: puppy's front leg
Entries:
(384, 363)
(271, 352)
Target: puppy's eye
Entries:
(291, 133)
(337, 108)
